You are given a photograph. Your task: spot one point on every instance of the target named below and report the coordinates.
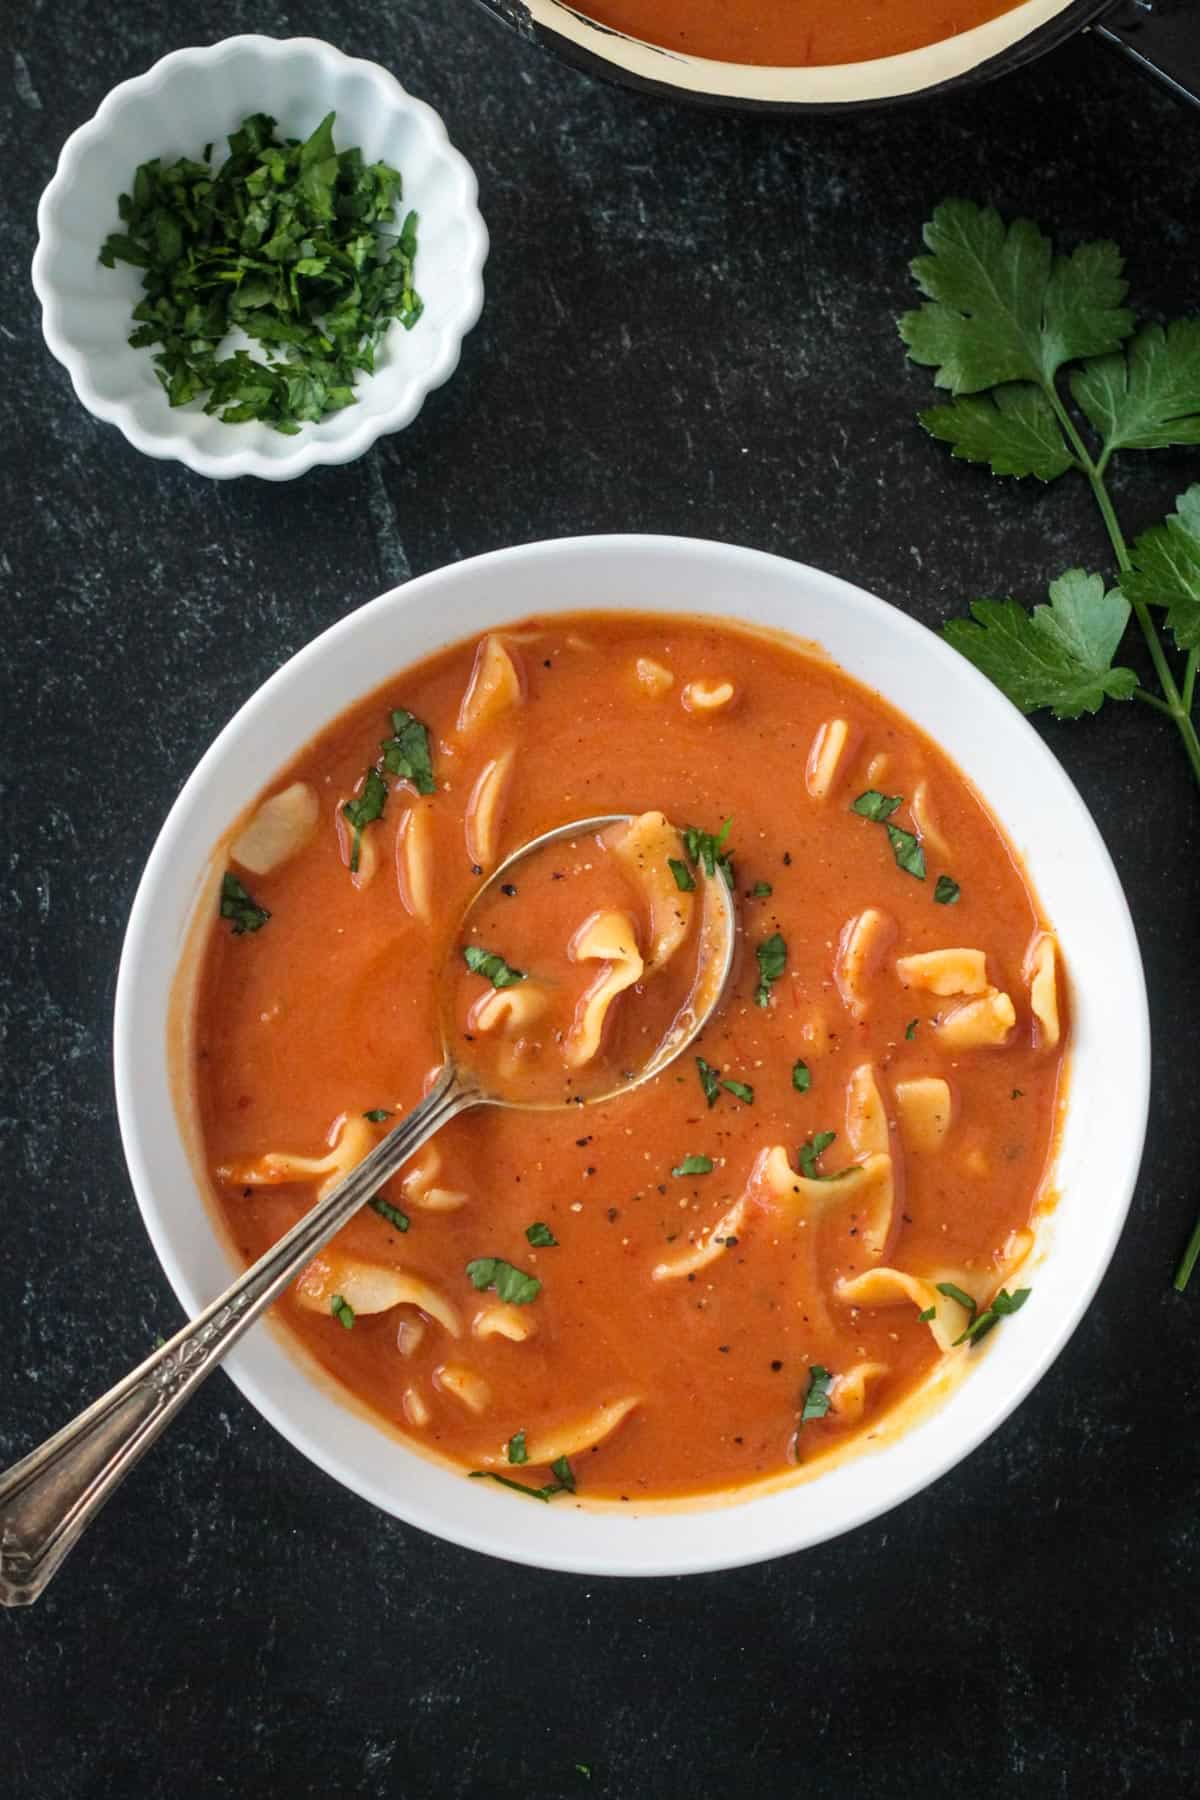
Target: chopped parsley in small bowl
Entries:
(259, 256)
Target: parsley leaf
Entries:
(947, 890)
(923, 1318)
(959, 1294)
(801, 1076)
(772, 961)
(907, 851)
(243, 913)
(1014, 431)
(342, 1311)
(1059, 655)
(709, 852)
(393, 1215)
(1166, 569)
(517, 1453)
(1002, 307)
(817, 1399)
(293, 244)
(406, 752)
(364, 809)
(377, 1115)
(740, 1090)
(710, 1081)
(810, 1152)
(563, 1483)
(876, 806)
(1002, 1307)
(512, 1285)
(762, 890)
(541, 1236)
(1149, 397)
(685, 881)
(492, 966)
(910, 1030)
(694, 1165)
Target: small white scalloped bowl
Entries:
(1049, 826)
(194, 97)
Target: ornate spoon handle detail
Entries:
(48, 1500)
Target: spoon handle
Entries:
(48, 1499)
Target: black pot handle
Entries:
(1160, 36)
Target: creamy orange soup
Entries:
(802, 33)
(756, 1256)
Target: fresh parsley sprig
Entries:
(1049, 374)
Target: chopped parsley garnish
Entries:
(294, 244)
(492, 966)
(709, 852)
(541, 1236)
(907, 851)
(1002, 1307)
(956, 1293)
(740, 1090)
(694, 1165)
(762, 890)
(910, 1030)
(512, 1285)
(930, 1312)
(563, 1483)
(243, 913)
(377, 1115)
(517, 1452)
(391, 1213)
(342, 1311)
(685, 881)
(801, 1076)
(817, 1399)
(947, 890)
(710, 1081)
(810, 1153)
(772, 961)
(406, 752)
(876, 806)
(364, 809)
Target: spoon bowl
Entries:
(48, 1499)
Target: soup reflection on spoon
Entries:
(586, 964)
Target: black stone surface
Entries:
(688, 328)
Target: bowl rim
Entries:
(359, 432)
(1027, 30)
(486, 1529)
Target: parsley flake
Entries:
(907, 851)
(364, 809)
(694, 1165)
(710, 1081)
(342, 1311)
(762, 890)
(541, 1236)
(563, 1483)
(817, 1399)
(406, 752)
(377, 1115)
(910, 1030)
(517, 1453)
(741, 1090)
(709, 852)
(801, 1076)
(512, 1285)
(876, 806)
(772, 961)
(492, 966)
(399, 1220)
(810, 1153)
(685, 881)
(947, 891)
(923, 1318)
(243, 913)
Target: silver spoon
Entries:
(50, 1497)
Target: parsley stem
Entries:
(1149, 699)
(1189, 1259)
(1177, 706)
(1189, 679)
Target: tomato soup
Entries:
(801, 34)
(751, 1259)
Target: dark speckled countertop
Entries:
(237, 1624)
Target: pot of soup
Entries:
(807, 56)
